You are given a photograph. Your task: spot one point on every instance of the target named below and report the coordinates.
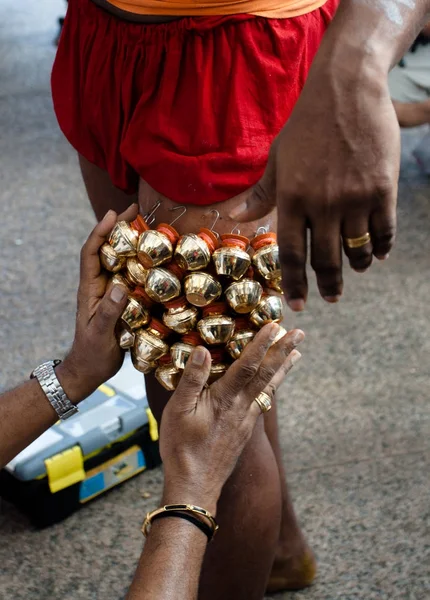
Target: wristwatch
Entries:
(55, 394)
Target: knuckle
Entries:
(291, 257)
(267, 372)
(248, 370)
(191, 377)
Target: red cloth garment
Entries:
(190, 106)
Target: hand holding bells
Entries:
(190, 290)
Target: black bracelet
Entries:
(194, 520)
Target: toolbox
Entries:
(112, 438)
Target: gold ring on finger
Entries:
(264, 402)
(357, 242)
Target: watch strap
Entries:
(45, 375)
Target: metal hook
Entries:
(184, 210)
(217, 215)
(236, 229)
(151, 221)
(152, 211)
(262, 230)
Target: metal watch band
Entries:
(55, 394)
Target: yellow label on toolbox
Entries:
(65, 469)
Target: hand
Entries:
(204, 430)
(95, 355)
(332, 169)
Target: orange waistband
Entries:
(274, 9)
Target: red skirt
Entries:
(190, 106)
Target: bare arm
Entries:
(412, 114)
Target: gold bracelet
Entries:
(196, 510)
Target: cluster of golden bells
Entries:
(189, 290)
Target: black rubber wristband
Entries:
(194, 520)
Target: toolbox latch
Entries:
(65, 469)
(153, 425)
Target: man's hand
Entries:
(95, 355)
(332, 169)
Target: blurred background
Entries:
(355, 418)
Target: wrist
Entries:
(190, 493)
(74, 383)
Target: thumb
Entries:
(195, 376)
(110, 309)
(260, 200)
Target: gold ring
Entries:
(358, 242)
(264, 402)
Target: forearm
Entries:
(25, 413)
(412, 114)
(169, 568)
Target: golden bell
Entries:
(163, 284)
(141, 365)
(155, 246)
(110, 259)
(119, 279)
(231, 259)
(216, 327)
(266, 255)
(243, 334)
(201, 288)
(269, 310)
(149, 344)
(275, 284)
(167, 374)
(135, 315)
(126, 339)
(218, 367)
(135, 271)
(123, 239)
(244, 295)
(181, 351)
(193, 251)
(180, 316)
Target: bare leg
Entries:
(102, 193)
(294, 566)
(237, 564)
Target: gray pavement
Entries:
(355, 418)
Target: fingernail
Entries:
(298, 337)
(238, 210)
(385, 257)
(108, 214)
(295, 356)
(360, 270)
(274, 331)
(296, 305)
(117, 294)
(332, 299)
(198, 357)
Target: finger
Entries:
(292, 237)
(260, 200)
(109, 310)
(194, 378)
(90, 262)
(383, 231)
(273, 361)
(326, 259)
(360, 259)
(130, 213)
(292, 359)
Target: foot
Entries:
(292, 570)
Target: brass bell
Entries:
(216, 327)
(135, 271)
(244, 295)
(155, 246)
(149, 344)
(275, 284)
(266, 255)
(201, 288)
(126, 339)
(135, 315)
(164, 284)
(141, 365)
(243, 334)
(181, 351)
(269, 310)
(193, 252)
(231, 259)
(119, 279)
(167, 374)
(110, 260)
(123, 239)
(180, 316)
(218, 367)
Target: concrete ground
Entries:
(354, 418)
